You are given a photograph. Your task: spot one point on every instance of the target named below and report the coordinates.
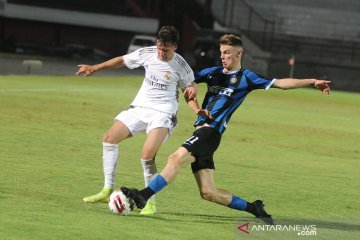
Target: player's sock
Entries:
(110, 155)
(256, 208)
(150, 172)
(238, 203)
(155, 186)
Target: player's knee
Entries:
(207, 194)
(107, 138)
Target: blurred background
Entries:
(308, 38)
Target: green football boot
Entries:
(102, 196)
(149, 209)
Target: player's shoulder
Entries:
(147, 50)
(254, 75)
(180, 60)
(182, 64)
(249, 73)
(212, 70)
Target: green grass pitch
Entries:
(297, 150)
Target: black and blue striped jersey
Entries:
(226, 92)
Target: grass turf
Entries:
(297, 150)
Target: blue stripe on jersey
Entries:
(226, 92)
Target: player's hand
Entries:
(85, 70)
(190, 92)
(203, 113)
(323, 85)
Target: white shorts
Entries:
(138, 119)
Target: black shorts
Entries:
(202, 145)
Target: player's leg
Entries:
(169, 173)
(151, 145)
(175, 161)
(117, 133)
(160, 125)
(184, 155)
(208, 191)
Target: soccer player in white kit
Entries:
(153, 110)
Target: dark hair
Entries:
(168, 34)
(232, 40)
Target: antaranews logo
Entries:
(298, 229)
(244, 228)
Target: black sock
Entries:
(251, 208)
(147, 193)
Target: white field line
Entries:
(64, 90)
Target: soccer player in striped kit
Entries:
(228, 86)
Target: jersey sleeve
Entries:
(136, 58)
(202, 75)
(187, 79)
(256, 81)
(186, 74)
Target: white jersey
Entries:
(159, 89)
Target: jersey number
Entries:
(192, 140)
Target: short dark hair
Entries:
(232, 40)
(168, 34)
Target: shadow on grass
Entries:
(343, 224)
(191, 218)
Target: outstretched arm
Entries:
(86, 70)
(190, 94)
(291, 83)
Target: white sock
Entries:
(150, 172)
(110, 155)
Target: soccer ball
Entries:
(120, 204)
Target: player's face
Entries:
(165, 51)
(230, 57)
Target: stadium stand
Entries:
(315, 19)
(323, 34)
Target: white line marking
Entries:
(64, 90)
